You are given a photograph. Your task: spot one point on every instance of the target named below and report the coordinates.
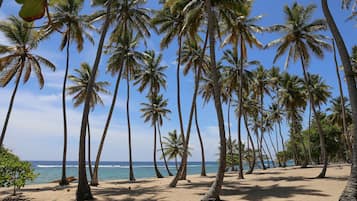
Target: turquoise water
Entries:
(109, 170)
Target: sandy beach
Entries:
(288, 184)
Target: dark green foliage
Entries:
(13, 171)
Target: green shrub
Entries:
(13, 171)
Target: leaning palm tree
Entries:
(66, 16)
(78, 90)
(155, 111)
(350, 191)
(301, 38)
(128, 16)
(173, 146)
(19, 60)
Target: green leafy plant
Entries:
(13, 171)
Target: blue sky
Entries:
(35, 129)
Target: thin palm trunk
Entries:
(277, 145)
(240, 112)
(215, 189)
(181, 173)
(203, 161)
(343, 109)
(270, 156)
(250, 171)
(260, 144)
(283, 145)
(83, 189)
(162, 151)
(64, 156)
(158, 174)
(309, 137)
(89, 152)
(350, 191)
(229, 134)
(274, 148)
(261, 129)
(131, 170)
(176, 163)
(10, 106)
(94, 180)
(318, 122)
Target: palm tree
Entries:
(154, 111)
(78, 90)
(233, 75)
(350, 191)
(19, 60)
(152, 76)
(292, 97)
(339, 118)
(276, 115)
(194, 59)
(261, 87)
(83, 189)
(173, 146)
(66, 15)
(171, 24)
(128, 16)
(301, 38)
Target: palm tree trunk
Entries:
(283, 145)
(343, 109)
(215, 189)
(272, 144)
(181, 173)
(162, 151)
(309, 136)
(203, 161)
(240, 112)
(176, 163)
(250, 171)
(270, 156)
(94, 180)
(318, 122)
(350, 192)
(10, 106)
(89, 153)
(260, 144)
(158, 174)
(277, 145)
(229, 134)
(179, 39)
(83, 189)
(261, 130)
(131, 170)
(64, 181)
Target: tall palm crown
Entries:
(261, 82)
(292, 95)
(124, 54)
(173, 145)
(66, 15)
(192, 56)
(80, 82)
(320, 91)
(301, 36)
(155, 110)
(151, 75)
(336, 116)
(18, 58)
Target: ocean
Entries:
(49, 171)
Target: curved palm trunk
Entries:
(318, 122)
(343, 109)
(261, 131)
(215, 189)
(83, 189)
(89, 153)
(229, 134)
(309, 135)
(158, 174)
(179, 39)
(64, 156)
(181, 173)
(203, 161)
(283, 145)
(350, 192)
(277, 145)
(162, 151)
(260, 144)
(270, 156)
(131, 170)
(176, 163)
(250, 171)
(10, 106)
(94, 180)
